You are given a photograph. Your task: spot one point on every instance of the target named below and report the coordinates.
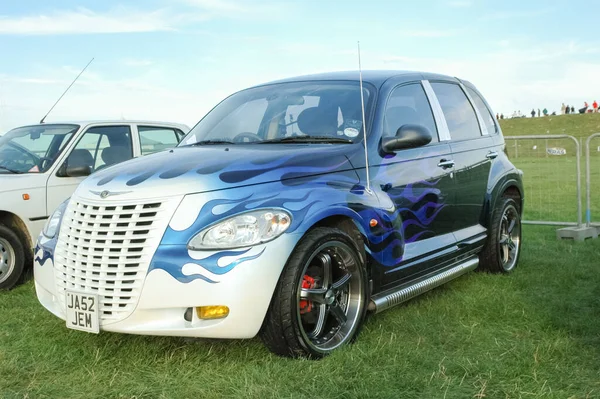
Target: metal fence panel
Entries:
(592, 178)
(552, 177)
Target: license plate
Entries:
(82, 312)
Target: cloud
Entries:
(85, 21)
(240, 9)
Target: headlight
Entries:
(244, 230)
(53, 222)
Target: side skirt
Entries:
(403, 293)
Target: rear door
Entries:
(417, 186)
(472, 151)
(99, 147)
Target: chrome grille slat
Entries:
(105, 248)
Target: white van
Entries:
(42, 165)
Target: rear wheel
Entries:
(320, 301)
(503, 247)
(12, 258)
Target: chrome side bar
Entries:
(403, 294)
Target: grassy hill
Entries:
(580, 126)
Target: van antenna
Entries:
(364, 124)
(65, 92)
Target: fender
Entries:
(503, 176)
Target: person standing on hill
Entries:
(539, 113)
(568, 110)
(563, 108)
(545, 111)
(595, 106)
(533, 113)
(572, 109)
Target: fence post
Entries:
(588, 181)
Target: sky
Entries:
(174, 60)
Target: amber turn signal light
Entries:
(212, 312)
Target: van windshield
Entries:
(33, 149)
(312, 111)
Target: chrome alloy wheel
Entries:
(7, 259)
(330, 296)
(510, 238)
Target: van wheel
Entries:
(320, 301)
(12, 258)
(503, 247)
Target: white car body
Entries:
(46, 190)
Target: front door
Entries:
(417, 186)
(98, 148)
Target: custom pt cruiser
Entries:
(268, 219)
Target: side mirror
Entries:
(408, 136)
(67, 170)
(78, 170)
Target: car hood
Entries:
(13, 182)
(187, 170)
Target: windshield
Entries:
(33, 149)
(320, 111)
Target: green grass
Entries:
(579, 126)
(532, 334)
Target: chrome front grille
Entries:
(105, 248)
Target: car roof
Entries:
(113, 122)
(374, 77)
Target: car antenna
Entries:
(364, 124)
(65, 92)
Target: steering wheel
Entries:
(247, 137)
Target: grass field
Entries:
(532, 334)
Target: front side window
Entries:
(460, 116)
(484, 111)
(154, 138)
(288, 112)
(408, 104)
(101, 147)
(33, 149)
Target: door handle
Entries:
(492, 155)
(446, 163)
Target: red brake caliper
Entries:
(306, 305)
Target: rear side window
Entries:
(408, 104)
(484, 111)
(154, 138)
(458, 111)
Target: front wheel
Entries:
(503, 246)
(12, 258)
(320, 301)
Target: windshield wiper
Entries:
(17, 172)
(210, 142)
(308, 139)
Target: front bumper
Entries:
(165, 296)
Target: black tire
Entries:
(12, 259)
(284, 329)
(503, 247)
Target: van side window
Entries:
(408, 104)
(458, 111)
(484, 111)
